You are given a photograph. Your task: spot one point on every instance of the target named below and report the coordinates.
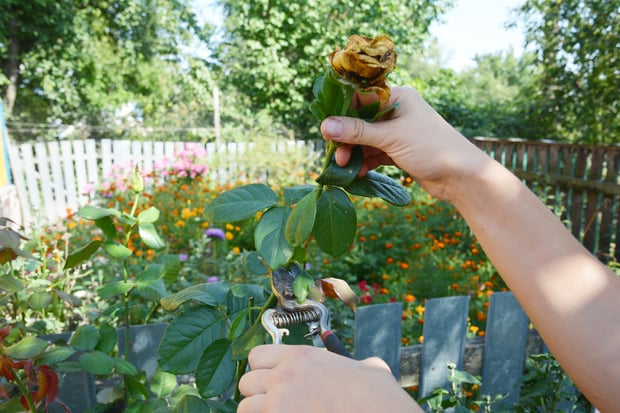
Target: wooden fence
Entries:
(52, 177)
(499, 357)
(580, 182)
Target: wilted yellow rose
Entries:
(366, 62)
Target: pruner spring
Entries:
(314, 314)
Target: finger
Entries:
(376, 362)
(268, 356)
(352, 131)
(254, 382)
(254, 404)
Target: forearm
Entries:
(572, 299)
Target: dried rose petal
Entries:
(366, 62)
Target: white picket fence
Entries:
(52, 177)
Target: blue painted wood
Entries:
(76, 389)
(378, 332)
(143, 346)
(445, 327)
(504, 350)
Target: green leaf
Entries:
(149, 215)
(211, 294)
(187, 335)
(163, 383)
(332, 98)
(85, 338)
(80, 255)
(108, 338)
(10, 284)
(368, 112)
(106, 224)
(149, 235)
(192, 404)
(337, 175)
(301, 220)
(461, 376)
(136, 386)
(239, 296)
(269, 237)
(301, 286)
(382, 186)
(171, 268)
(27, 348)
(97, 363)
(114, 288)
(68, 298)
(116, 250)
(149, 284)
(39, 300)
(255, 265)
(95, 213)
(336, 222)
(56, 355)
(240, 203)
(124, 367)
(294, 194)
(253, 337)
(216, 369)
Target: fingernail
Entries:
(333, 128)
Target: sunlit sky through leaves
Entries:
(474, 27)
(471, 27)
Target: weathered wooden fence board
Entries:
(445, 331)
(582, 182)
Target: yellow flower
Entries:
(236, 250)
(419, 309)
(229, 235)
(366, 62)
(230, 227)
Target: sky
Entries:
(471, 27)
(474, 27)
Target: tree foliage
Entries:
(80, 62)
(273, 50)
(577, 43)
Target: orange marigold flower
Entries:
(236, 250)
(403, 265)
(385, 276)
(390, 260)
(388, 245)
(481, 316)
(405, 341)
(409, 298)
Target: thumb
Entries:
(350, 130)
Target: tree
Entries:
(577, 49)
(82, 62)
(273, 50)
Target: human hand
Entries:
(415, 138)
(308, 379)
